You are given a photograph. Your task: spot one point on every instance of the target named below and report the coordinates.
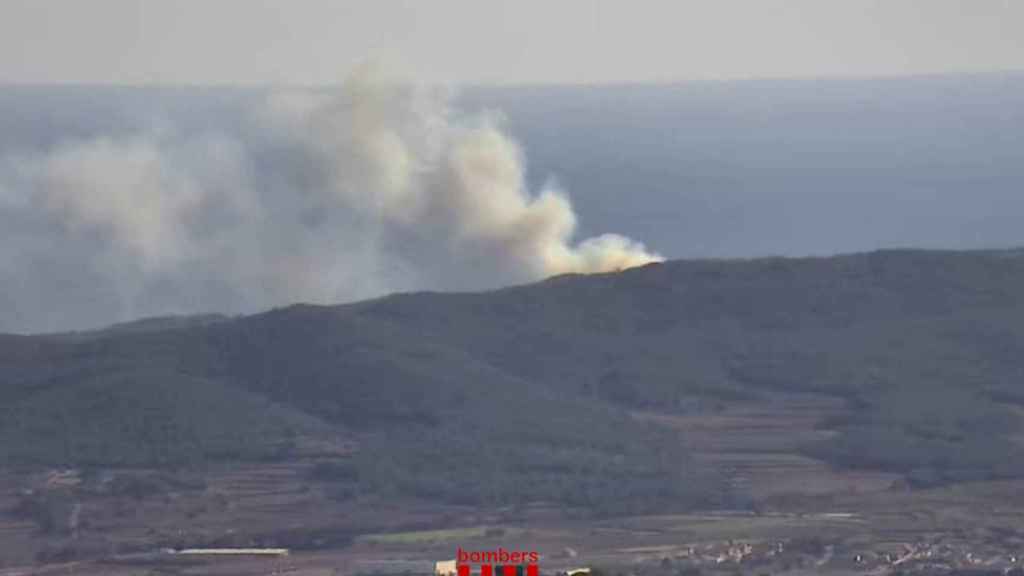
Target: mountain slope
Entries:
(523, 393)
(928, 346)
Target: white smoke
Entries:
(318, 197)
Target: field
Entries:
(759, 446)
(806, 516)
(981, 518)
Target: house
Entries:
(445, 568)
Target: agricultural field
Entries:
(805, 517)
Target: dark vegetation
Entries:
(517, 395)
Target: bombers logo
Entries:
(498, 562)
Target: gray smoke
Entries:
(314, 197)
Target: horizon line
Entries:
(474, 85)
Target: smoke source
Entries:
(313, 197)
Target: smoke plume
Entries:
(311, 196)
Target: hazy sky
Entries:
(478, 41)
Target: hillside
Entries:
(524, 394)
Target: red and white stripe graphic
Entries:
(502, 570)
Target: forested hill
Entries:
(522, 393)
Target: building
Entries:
(446, 568)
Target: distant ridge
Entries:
(524, 393)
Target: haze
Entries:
(528, 41)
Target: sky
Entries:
(311, 42)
